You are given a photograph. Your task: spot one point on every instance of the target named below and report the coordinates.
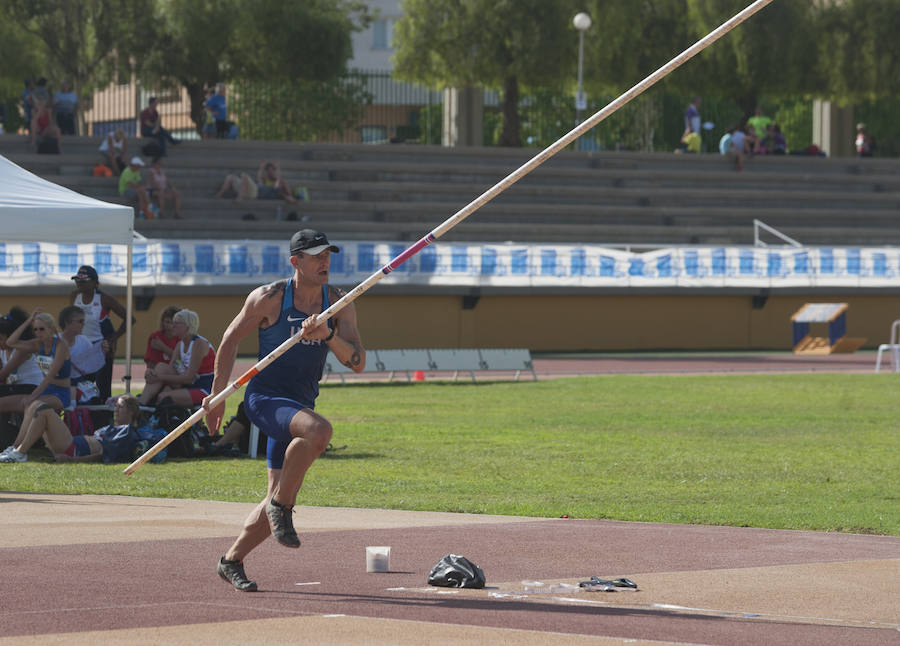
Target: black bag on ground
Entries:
(455, 571)
(186, 445)
(8, 430)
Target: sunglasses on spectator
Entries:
(39, 329)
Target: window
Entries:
(373, 134)
(382, 33)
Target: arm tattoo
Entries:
(335, 294)
(355, 358)
(273, 289)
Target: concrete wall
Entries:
(547, 322)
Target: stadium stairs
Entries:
(400, 192)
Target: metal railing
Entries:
(372, 107)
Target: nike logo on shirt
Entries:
(292, 319)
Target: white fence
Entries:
(249, 263)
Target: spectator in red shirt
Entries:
(162, 341)
(151, 127)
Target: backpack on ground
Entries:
(79, 421)
(188, 444)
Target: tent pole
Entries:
(129, 300)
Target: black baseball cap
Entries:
(312, 242)
(86, 272)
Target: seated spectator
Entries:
(161, 190)
(759, 122)
(219, 110)
(65, 103)
(774, 142)
(151, 127)
(269, 185)
(114, 150)
(725, 141)
(209, 120)
(44, 133)
(779, 141)
(86, 363)
(239, 186)
(161, 342)
(132, 187)
(227, 443)
(691, 142)
(52, 356)
(19, 370)
(188, 377)
(80, 448)
(52, 394)
(738, 148)
(753, 140)
(865, 143)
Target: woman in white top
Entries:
(114, 150)
(86, 363)
(98, 328)
(19, 371)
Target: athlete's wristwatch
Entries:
(331, 336)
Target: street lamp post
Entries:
(582, 23)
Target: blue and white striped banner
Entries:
(191, 262)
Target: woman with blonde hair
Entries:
(188, 376)
(54, 391)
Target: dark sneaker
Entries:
(282, 524)
(233, 572)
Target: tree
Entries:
(860, 48)
(203, 43)
(81, 39)
(629, 39)
(21, 57)
(498, 44)
(299, 111)
(772, 53)
(193, 47)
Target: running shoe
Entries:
(13, 456)
(233, 572)
(282, 523)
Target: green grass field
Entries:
(794, 451)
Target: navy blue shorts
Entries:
(81, 446)
(64, 395)
(273, 416)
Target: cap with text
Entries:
(312, 242)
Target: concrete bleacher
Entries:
(401, 192)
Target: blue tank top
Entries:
(297, 372)
(45, 360)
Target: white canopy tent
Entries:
(35, 210)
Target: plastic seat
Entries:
(893, 347)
